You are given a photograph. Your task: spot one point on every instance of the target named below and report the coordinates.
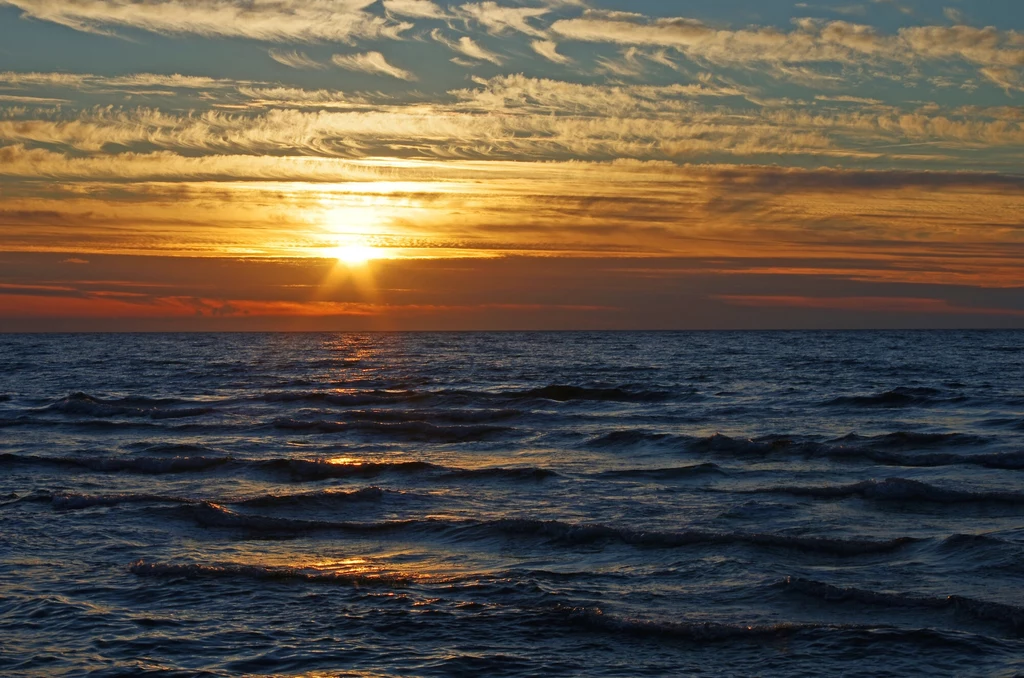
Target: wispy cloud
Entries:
(92, 81)
(549, 50)
(811, 41)
(497, 19)
(467, 47)
(294, 59)
(371, 62)
(271, 20)
(419, 9)
(517, 116)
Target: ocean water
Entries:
(512, 504)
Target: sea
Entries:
(512, 504)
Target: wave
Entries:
(451, 415)
(995, 460)
(103, 424)
(628, 438)
(325, 498)
(595, 619)
(142, 465)
(973, 541)
(182, 413)
(344, 399)
(723, 444)
(1009, 615)
(913, 440)
(567, 393)
(312, 469)
(210, 514)
(902, 396)
(410, 430)
(176, 449)
(877, 449)
(586, 534)
(70, 501)
(667, 473)
(307, 500)
(266, 573)
(83, 404)
(322, 470)
(898, 489)
(501, 473)
(300, 470)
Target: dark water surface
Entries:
(593, 504)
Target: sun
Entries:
(354, 254)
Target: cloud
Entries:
(39, 101)
(846, 10)
(270, 20)
(293, 97)
(498, 19)
(371, 62)
(983, 46)
(811, 41)
(954, 15)
(521, 117)
(870, 304)
(510, 93)
(847, 99)
(80, 81)
(936, 227)
(418, 9)
(467, 47)
(294, 59)
(549, 50)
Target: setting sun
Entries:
(354, 254)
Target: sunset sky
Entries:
(543, 164)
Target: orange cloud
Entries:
(871, 304)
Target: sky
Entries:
(532, 164)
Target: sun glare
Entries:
(354, 254)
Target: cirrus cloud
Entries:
(371, 62)
(270, 20)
